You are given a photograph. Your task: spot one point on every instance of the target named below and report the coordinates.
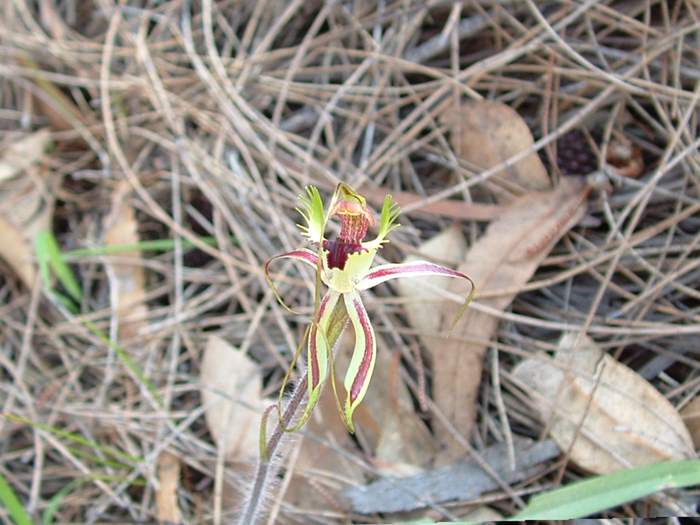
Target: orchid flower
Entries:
(344, 265)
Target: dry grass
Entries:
(217, 113)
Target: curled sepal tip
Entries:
(305, 256)
(467, 302)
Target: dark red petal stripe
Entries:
(367, 356)
(409, 268)
(305, 256)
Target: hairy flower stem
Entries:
(265, 470)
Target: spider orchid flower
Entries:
(344, 265)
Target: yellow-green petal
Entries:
(364, 356)
(318, 352)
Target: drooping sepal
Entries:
(386, 272)
(305, 256)
(359, 373)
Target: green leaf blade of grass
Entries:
(126, 360)
(122, 457)
(590, 496)
(49, 255)
(50, 259)
(54, 504)
(9, 500)
(155, 245)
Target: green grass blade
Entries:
(55, 502)
(42, 258)
(49, 254)
(155, 245)
(50, 258)
(96, 460)
(77, 438)
(594, 495)
(11, 502)
(126, 360)
(63, 300)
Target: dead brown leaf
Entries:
(504, 258)
(485, 133)
(26, 202)
(17, 252)
(231, 387)
(463, 480)
(626, 421)
(127, 277)
(58, 108)
(624, 158)
(691, 417)
(166, 495)
(21, 154)
(448, 247)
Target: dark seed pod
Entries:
(574, 154)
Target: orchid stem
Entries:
(262, 471)
(265, 470)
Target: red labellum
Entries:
(338, 252)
